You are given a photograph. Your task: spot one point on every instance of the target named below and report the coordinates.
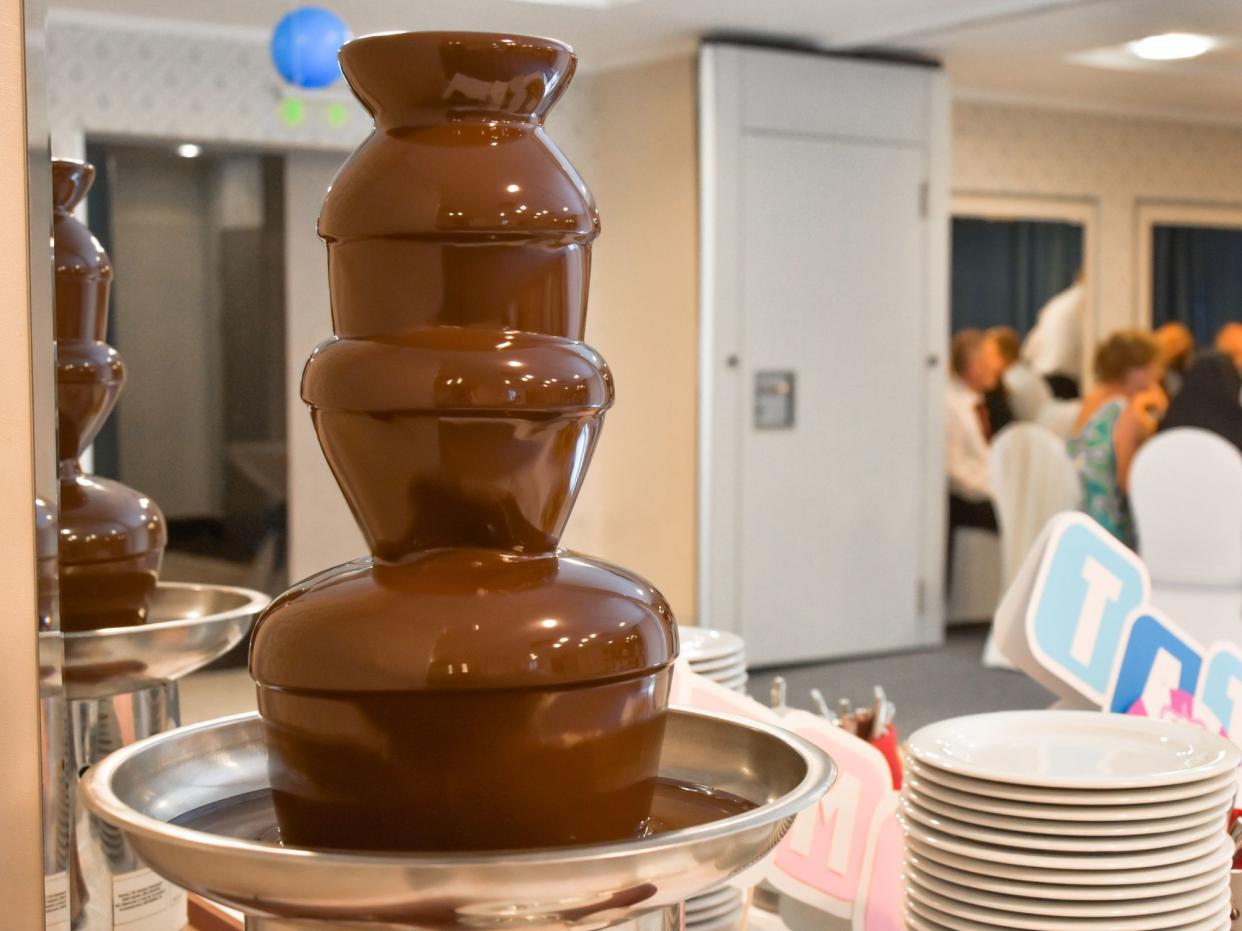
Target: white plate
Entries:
(1221, 798)
(1142, 876)
(703, 643)
(968, 917)
(1055, 796)
(921, 917)
(720, 911)
(1050, 860)
(1061, 892)
(1060, 842)
(733, 682)
(726, 923)
(1049, 906)
(712, 665)
(917, 922)
(718, 674)
(1074, 750)
(714, 897)
(1011, 824)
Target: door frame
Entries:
(1081, 211)
(1150, 213)
(722, 396)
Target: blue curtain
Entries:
(1197, 278)
(1004, 271)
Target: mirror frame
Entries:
(27, 447)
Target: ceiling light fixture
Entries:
(1171, 46)
(189, 150)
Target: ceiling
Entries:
(1030, 49)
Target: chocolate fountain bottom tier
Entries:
(465, 770)
(107, 594)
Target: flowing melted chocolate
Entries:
(111, 537)
(470, 686)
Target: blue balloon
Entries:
(305, 44)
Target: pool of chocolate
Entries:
(675, 806)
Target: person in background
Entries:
(976, 367)
(1177, 352)
(1118, 416)
(1211, 395)
(1053, 348)
(1023, 389)
(1229, 342)
(1000, 408)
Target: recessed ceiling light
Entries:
(189, 150)
(1171, 46)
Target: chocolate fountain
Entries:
(469, 728)
(111, 537)
(126, 638)
(469, 686)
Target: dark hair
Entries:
(1006, 339)
(1123, 352)
(965, 344)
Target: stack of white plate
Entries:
(720, 656)
(1064, 820)
(718, 910)
(716, 654)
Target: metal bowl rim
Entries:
(821, 772)
(256, 601)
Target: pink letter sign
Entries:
(821, 860)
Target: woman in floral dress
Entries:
(1119, 414)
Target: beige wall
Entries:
(638, 156)
(322, 532)
(1116, 161)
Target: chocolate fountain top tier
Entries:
(458, 210)
(83, 269)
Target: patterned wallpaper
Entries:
(1117, 161)
(175, 80)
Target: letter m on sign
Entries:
(821, 859)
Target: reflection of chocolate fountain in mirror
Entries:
(469, 686)
(111, 537)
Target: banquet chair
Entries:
(1033, 479)
(1186, 496)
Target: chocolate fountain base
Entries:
(189, 802)
(120, 687)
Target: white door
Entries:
(830, 505)
(824, 315)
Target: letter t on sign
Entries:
(1103, 588)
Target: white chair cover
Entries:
(1186, 496)
(1033, 480)
(1059, 416)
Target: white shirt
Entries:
(1027, 390)
(966, 446)
(1054, 345)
